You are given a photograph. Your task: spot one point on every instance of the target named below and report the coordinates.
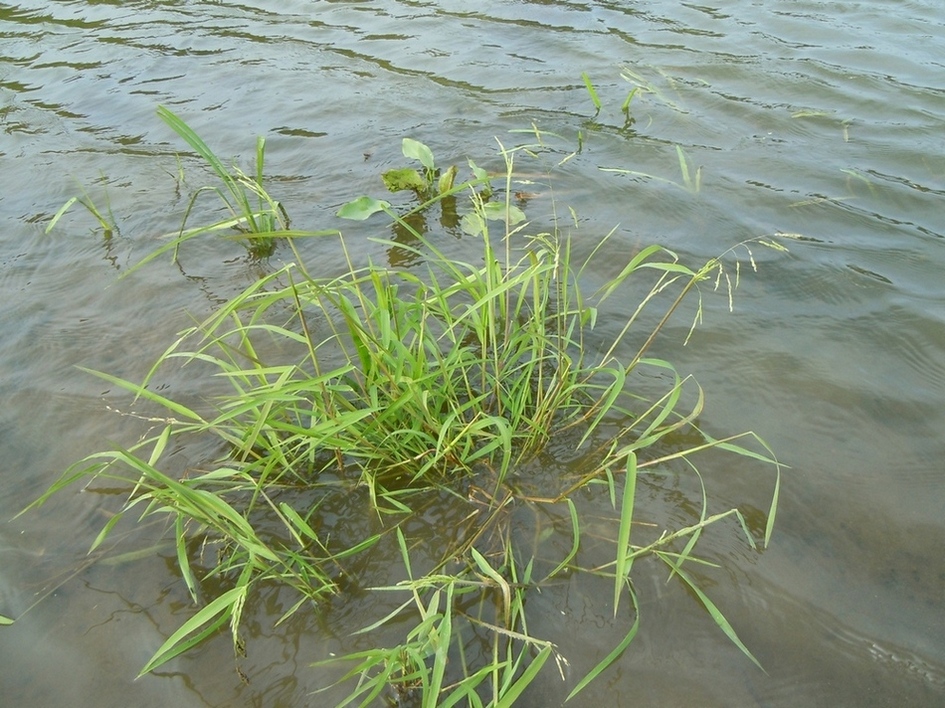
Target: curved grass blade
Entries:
(59, 214)
(713, 611)
(615, 652)
(142, 392)
(204, 623)
(195, 141)
(575, 539)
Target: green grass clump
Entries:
(410, 388)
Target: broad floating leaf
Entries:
(496, 211)
(472, 223)
(418, 151)
(362, 208)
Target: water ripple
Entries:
(822, 120)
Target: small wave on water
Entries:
(819, 120)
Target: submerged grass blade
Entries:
(614, 653)
(713, 611)
(575, 539)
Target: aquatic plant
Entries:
(253, 212)
(691, 178)
(413, 389)
(105, 221)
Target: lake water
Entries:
(824, 120)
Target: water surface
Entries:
(821, 120)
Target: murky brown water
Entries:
(813, 118)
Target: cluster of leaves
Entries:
(405, 384)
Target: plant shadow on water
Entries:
(441, 438)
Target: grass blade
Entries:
(713, 611)
(515, 690)
(615, 652)
(204, 623)
(624, 558)
(595, 99)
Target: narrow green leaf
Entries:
(441, 639)
(508, 698)
(159, 445)
(684, 167)
(260, 159)
(383, 620)
(59, 214)
(624, 561)
(773, 509)
(297, 521)
(142, 392)
(404, 553)
(614, 654)
(715, 613)
(183, 562)
(628, 269)
(625, 106)
(467, 688)
(204, 623)
(136, 555)
(595, 99)
(575, 539)
(105, 531)
(195, 141)
(486, 568)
